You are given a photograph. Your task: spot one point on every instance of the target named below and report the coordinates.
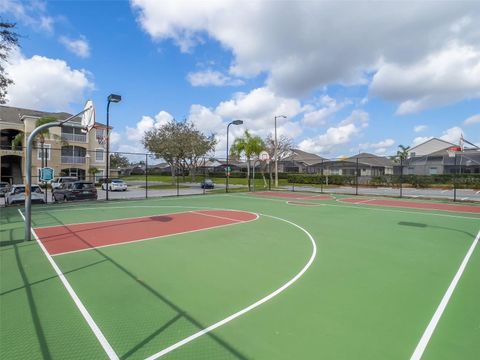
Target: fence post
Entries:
(178, 180)
(455, 178)
(356, 179)
(401, 177)
(321, 178)
(146, 176)
(204, 174)
(269, 177)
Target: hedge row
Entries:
(461, 180)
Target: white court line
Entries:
(376, 208)
(86, 315)
(163, 236)
(363, 201)
(248, 308)
(217, 216)
(417, 354)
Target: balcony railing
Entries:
(73, 160)
(74, 137)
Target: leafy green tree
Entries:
(248, 145)
(92, 171)
(8, 41)
(180, 144)
(118, 161)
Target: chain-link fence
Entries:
(453, 176)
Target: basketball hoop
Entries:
(452, 151)
(263, 156)
(88, 117)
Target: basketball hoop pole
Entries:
(28, 169)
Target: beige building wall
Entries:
(76, 165)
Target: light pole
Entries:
(227, 170)
(276, 149)
(115, 99)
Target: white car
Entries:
(115, 185)
(57, 182)
(16, 195)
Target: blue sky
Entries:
(350, 77)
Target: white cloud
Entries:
(379, 145)
(441, 78)
(337, 135)
(44, 83)
(258, 109)
(420, 128)
(147, 123)
(320, 116)
(474, 119)
(213, 78)
(79, 47)
(312, 46)
(32, 14)
(452, 135)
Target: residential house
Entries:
(299, 161)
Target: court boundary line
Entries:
(370, 208)
(250, 307)
(424, 340)
(83, 310)
(159, 237)
(366, 202)
(134, 217)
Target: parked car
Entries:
(16, 195)
(78, 190)
(4, 188)
(114, 185)
(57, 182)
(207, 184)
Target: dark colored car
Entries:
(4, 188)
(207, 184)
(78, 190)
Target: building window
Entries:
(100, 134)
(99, 155)
(433, 171)
(46, 152)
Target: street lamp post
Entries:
(115, 99)
(276, 149)
(234, 122)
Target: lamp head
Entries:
(237, 122)
(281, 116)
(114, 98)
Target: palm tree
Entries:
(402, 153)
(21, 138)
(248, 145)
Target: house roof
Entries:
(15, 115)
(447, 144)
(371, 159)
(303, 156)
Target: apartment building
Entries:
(66, 149)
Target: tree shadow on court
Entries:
(51, 277)
(101, 226)
(422, 225)
(42, 342)
(181, 314)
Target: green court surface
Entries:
(329, 281)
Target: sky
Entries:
(350, 76)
